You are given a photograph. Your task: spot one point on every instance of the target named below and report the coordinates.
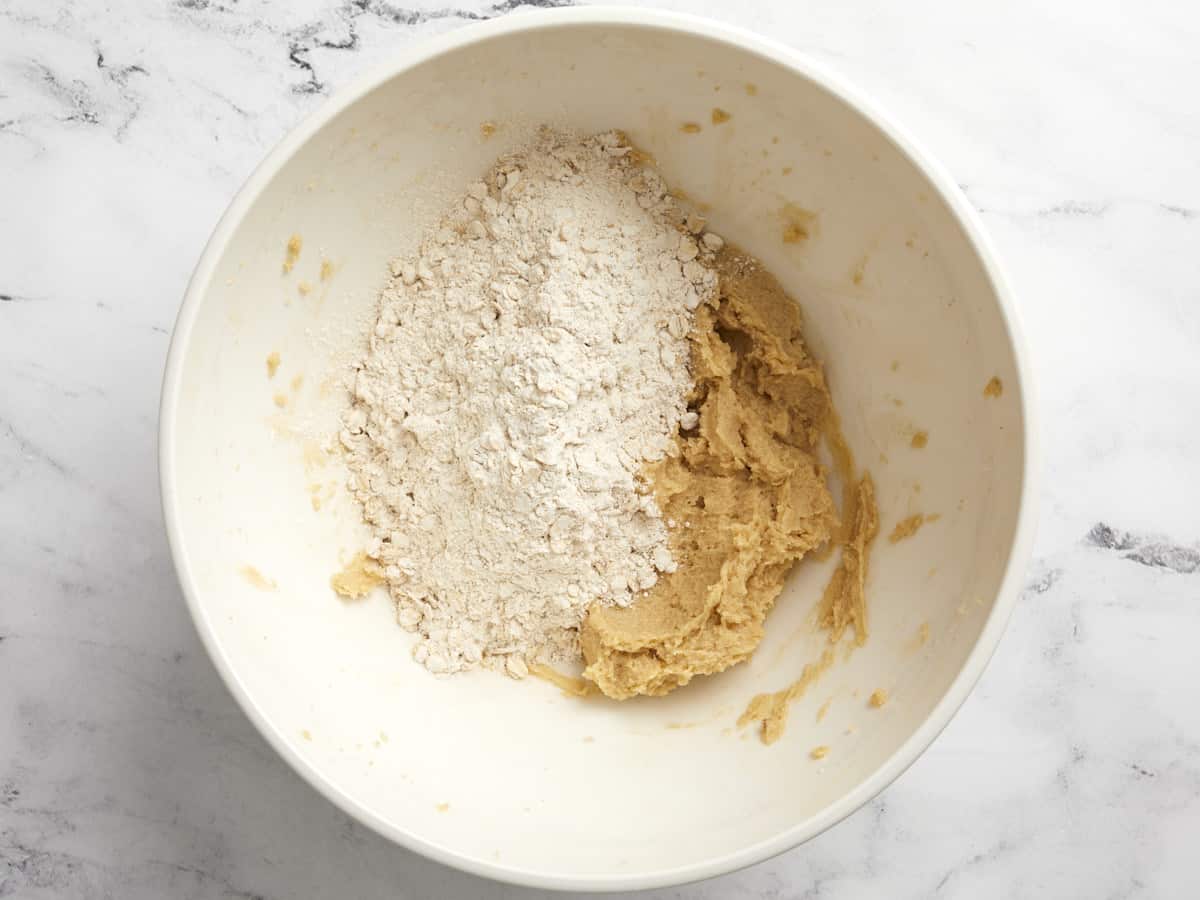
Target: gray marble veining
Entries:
(127, 771)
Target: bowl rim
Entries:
(773, 52)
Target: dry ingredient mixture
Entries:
(586, 426)
(526, 365)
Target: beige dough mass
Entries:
(744, 491)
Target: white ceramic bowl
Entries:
(904, 304)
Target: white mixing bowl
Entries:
(903, 302)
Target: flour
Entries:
(524, 365)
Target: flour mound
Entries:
(524, 365)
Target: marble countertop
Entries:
(126, 769)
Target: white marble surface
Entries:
(127, 771)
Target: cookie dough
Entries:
(906, 528)
(844, 603)
(744, 494)
(258, 579)
(294, 244)
(770, 710)
(360, 576)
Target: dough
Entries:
(258, 579)
(361, 575)
(744, 494)
(294, 244)
(568, 684)
(770, 710)
(844, 603)
(906, 528)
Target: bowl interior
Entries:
(515, 778)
